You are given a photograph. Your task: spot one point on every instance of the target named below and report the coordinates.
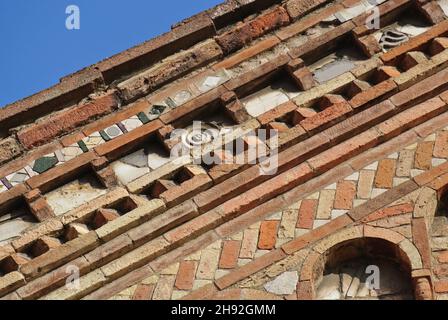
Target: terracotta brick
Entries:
(60, 256)
(185, 275)
(317, 234)
(345, 193)
(277, 112)
(304, 79)
(307, 22)
(372, 94)
(442, 257)
(326, 117)
(55, 176)
(421, 240)
(170, 69)
(383, 200)
(389, 212)
(143, 292)
(67, 121)
(421, 90)
(268, 235)
(433, 12)
(307, 212)
(385, 174)
(382, 233)
(109, 251)
(305, 290)
(229, 188)
(126, 142)
(41, 210)
(194, 227)
(244, 34)
(438, 45)
(44, 244)
(104, 216)
(441, 145)
(10, 282)
(344, 151)
(250, 268)
(298, 8)
(441, 286)
(328, 38)
(431, 175)
(415, 43)
(411, 117)
(51, 280)
(266, 191)
(248, 53)
(13, 262)
(423, 155)
(206, 292)
(229, 254)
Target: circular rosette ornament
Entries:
(200, 134)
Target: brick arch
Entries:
(314, 263)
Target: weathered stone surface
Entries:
(9, 149)
(284, 284)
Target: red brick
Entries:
(277, 112)
(372, 94)
(344, 151)
(421, 90)
(229, 254)
(185, 275)
(441, 286)
(421, 240)
(412, 117)
(345, 193)
(423, 155)
(266, 191)
(304, 79)
(442, 257)
(415, 43)
(307, 22)
(249, 31)
(298, 8)
(307, 212)
(103, 216)
(438, 45)
(268, 235)
(185, 190)
(70, 90)
(204, 293)
(43, 245)
(326, 117)
(250, 268)
(385, 174)
(441, 270)
(389, 212)
(305, 290)
(441, 145)
(65, 122)
(433, 12)
(41, 210)
(431, 175)
(126, 142)
(317, 234)
(248, 53)
(143, 292)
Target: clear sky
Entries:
(37, 49)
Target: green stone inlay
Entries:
(44, 164)
(104, 135)
(170, 103)
(83, 146)
(142, 117)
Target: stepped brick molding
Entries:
(353, 177)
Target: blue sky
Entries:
(37, 50)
